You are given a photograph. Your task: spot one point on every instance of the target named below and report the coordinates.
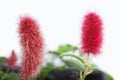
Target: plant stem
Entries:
(86, 69)
(80, 75)
(29, 78)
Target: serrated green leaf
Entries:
(74, 56)
(75, 64)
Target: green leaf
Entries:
(109, 76)
(4, 77)
(74, 56)
(9, 76)
(66, 48)
(45, 70)
(75, 64)
(94, 67)
(2, 61)
(1, 74)
(13, 76)
(61, 68)
(54, 53)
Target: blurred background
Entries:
(60, 22)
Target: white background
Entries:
(60, 21)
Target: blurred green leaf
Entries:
(50, 66)
(109, 76)
(4, 77)
(94, 67)
(9, 76)
(54, 53)
(66, 48)
(13, 76)
(1, 74)
(75, 64)
(61, 68)
(45, 71)
(2, 61)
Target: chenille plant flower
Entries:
(91, 34)
(91, 37)
(32, 47)
(11, 61)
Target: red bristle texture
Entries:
(92, 35)
(32, 46)
(11, 61)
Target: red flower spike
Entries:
(92, 34)
(11, 61)
(32, 47)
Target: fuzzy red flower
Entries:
(11, 61)
(92, 34)
(32, 46)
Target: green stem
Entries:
(86, 69)
(29, 78)
(80, 75)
